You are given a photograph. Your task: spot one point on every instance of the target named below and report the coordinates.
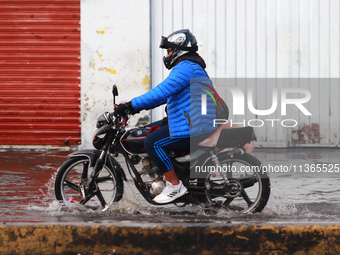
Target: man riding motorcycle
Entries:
(186, 64)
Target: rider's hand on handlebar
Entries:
(124, 109)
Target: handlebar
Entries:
(109, 118)
(122, 120)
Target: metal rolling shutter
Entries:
(39, 72)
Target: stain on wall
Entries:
(307, 134)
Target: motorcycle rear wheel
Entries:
(255, 191)
(74, 171)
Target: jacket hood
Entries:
(194, 57)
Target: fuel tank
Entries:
(133, 140)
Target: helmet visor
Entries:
(164, 43)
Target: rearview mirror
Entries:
(115, 90)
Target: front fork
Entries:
(88, 187)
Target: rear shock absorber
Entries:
(219, 167)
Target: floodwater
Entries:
(27, 193)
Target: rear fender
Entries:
(93, 155)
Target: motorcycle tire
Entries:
(254, 190)
(76, 170)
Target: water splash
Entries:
(280, 201)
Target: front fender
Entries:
(93, 155)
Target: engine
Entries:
(156, 176)
(133, 142)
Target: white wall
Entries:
(115, 49)
(264, 39)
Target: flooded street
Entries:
(27, 194)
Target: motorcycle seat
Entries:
(226, 136)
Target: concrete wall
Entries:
(115, 49)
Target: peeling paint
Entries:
(111, 71)
(146, 80)
(107, 70)
(92, 64)
(87, 107)
(101, 57)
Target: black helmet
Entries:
(181, 42)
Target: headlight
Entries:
(104, 119)
(100, 136)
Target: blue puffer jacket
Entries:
(175, 91)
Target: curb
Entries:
(98, 239)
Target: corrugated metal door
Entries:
(265, 39)
(40, 70)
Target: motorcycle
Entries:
(229, 177)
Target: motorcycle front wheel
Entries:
(74, 171)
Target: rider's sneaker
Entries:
(170, 193)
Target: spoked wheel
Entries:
(74, 172)
(248, 189)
